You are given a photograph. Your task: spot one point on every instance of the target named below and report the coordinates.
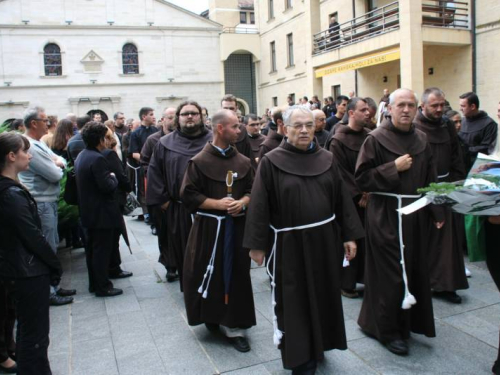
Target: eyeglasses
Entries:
(308, 126)
(46, 120)
(186, 114)
(322, 119)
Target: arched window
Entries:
(130, 59)
(52, 60)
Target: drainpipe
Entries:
(474, 45)
(355, 71)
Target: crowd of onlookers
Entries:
(104, 163)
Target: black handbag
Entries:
(70, 195)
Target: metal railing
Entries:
(454, 14)
(239, 30)
(376, 22)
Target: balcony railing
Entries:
(439, 13)
(376, 22)
(454, 14)
(239, 30)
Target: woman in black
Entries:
(27, 261)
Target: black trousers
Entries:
(32, 306)
(493, 261)
(98, 253)
(7, 319)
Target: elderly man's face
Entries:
(168, 119)
(253, 127)
(434, 107)
(403, 110)
(320, 121)
(300, 132)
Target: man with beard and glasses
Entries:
(446, 260)
(394, 161)
(165, 172)
(216, 189)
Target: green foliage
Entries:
(67, 213)
(439, 188)
(4, 128)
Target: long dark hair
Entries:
(179, 108)
(64, 132)
(11, 142)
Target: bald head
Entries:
(226, 127)
(168, 120)
(319, 119)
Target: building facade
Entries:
(376, 44)
(86, 55)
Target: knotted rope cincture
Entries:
(278, 335)
(408, 300)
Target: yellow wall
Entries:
(370, 79)
(452, 71)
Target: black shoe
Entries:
(121, 275)
(147, 220)
(66, 292)
(172, 276)
(240, 344)
(140, 218)
(91, 289)
(77, 245)
(452, 297)
(398, 347)
(8, 370)
(308, 368)
(109, 293)
(212, 327)
(349, 293)
(56, 300)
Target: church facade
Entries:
(80, 56)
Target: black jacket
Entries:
(24, 252)
(116, 166)
(96, 186)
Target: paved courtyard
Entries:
(144, 331)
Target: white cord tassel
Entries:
(210, 267)
(408, 300)
(278, 335)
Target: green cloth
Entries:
(476, 238)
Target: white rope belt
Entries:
(408, 300)
(210, 267)
(443, 176)
(136, 174)
(277, 333)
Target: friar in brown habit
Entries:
(165, 173)
(394, 161)
(216, 189)
(299, 216)
(252, 125)
(445, 257)
(275, 136)
(345, 146)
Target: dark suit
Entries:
(99, 212)
(115, 165)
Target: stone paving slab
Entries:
(145, 330)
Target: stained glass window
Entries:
(130, 59)
(52, 60)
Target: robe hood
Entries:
(185, 145)
(309, 163)
(350, 138)
(215, 166)
(436, 130)
(399, 142)
(476, 123)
